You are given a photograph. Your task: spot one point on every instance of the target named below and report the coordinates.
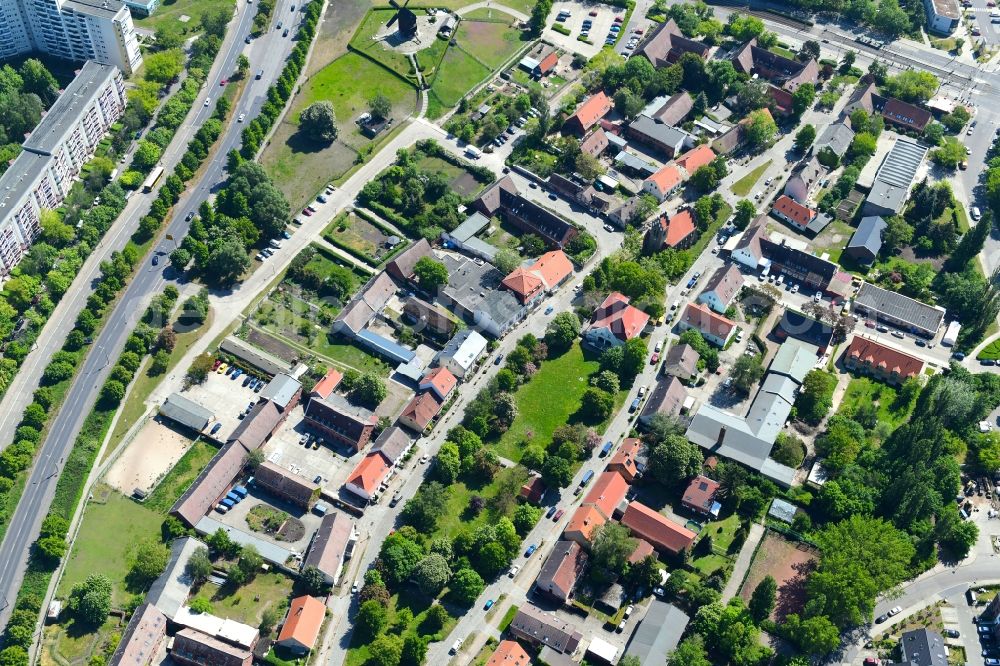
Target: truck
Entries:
(606, 449)
(473, 152)
(234, 497)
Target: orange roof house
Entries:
(554, 267)
(367, 475)
(533, 490)
(525, 284)
(623, 461)
(885, 363)
(582, 524)
(548, 272)
(663, 183)
(509, 653)
(664, 534)
(548, 63)
(597, 508)
(643, 549)
(589, 113)
(302, 624)
(615, 322)
(420, 411)
(696, 158)
(440, 381)
(787, 209)
(327, 385)
(715, 328)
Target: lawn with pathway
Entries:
(742, 187)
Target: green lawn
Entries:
(490, 42)
(457, 518)
(458, 73)
(168, 15)
(722, 532)
(862, 391)
(247, 604)
(358, 653)
(108, 531)
(742, 187)
(990, 351)
(180, 476)
(547, 401)
(348, 83)
(364, 41)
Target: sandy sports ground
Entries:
(789, 563)
(148, 457)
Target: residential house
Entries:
(533, 490)
(365, 305)
(530, 283)
(502, 199)
(623, 214)
(614, 323)
(420, 411)
(788, 210)
(906, 116)
(364, 480)
(895, 178)
(872, 358)
(642, 550)
(540, 60)
(286, 485)
(862, 97)
(302, 624)
(836, 139)
(464, 237)
(327, 385)
(658, 633)
(193, 648)
(668, 44)
(668, 397)
(459, 356)
(392, 444)
(341, 421)
(942, 16)
(696, 158)
(797, 326)
(715, 328)
(401, 266)
(700, 496)
(332, 545)
(665, 535)
(804, 180)
(779, 70)
(677, 233)
(440, 381)
(798, 265)
(899, 310)
(540, 628)
(595, 143)
(681, 362)
(561, 570)
(429, 317)
(656, 135)
(633, 165)
(588, 114)
(597, 508)
(720, 290)
(782, 101)
(866, 242)
(748, 252)
(509, 653)
(142, 639)
(923, 647)
(735, 137)
(624, 461)
(664, 183)
(474, 292)
(674, 110)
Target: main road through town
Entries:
(268, 53)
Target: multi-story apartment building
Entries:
(54, 154)
(98, 30)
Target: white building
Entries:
(54, 154)
(942, 15)
(79, 30)
(460, 354)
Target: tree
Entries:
(447, 463)
(610, 549)
(54, 231)
(753, 96)
(863, 145)
(227, 261)
(414, 650)
(319, 121)
(556, 473)
(673, 459)
(164, 66)
(431, 575)
(372, 618)
(562, 331)
(745, 213)
(746, 372)
(428, 505)
(805, 137)
(690, 652)
(242, 65)
(466, 586)
(848, 61)
(760, 130)
(380, 106)
(734, 634)
(430, 273)
(506, 260)
(915, 85)
(369, 390)
(816, 397)
(215, 20)
(815, 636)
(949, 154)
(146, 562)
(810, 49)
(37, 79)
(803, 98)
(113, 392)
(763, 599)
(199, 566)
(90, 600)
(146, 155)
(596, 405)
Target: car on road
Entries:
(818, 296)
(222, 368)
(156, 260)
(987, 361)
(559, 514)
(549, 310)
(552, 196)
(208, 100)
(881, 618)
(533, 185)
(424, 458)
(531, 550)
(215, 366)
(551, 512)
(456, 646)
(247, 39)
(920, 343)
(990, 661)
(498, 360)
(795, 288)
(958, 356)
(307, 212)
(354, 588)
(242, 117)
(609, 228)
(898, 334)
(658, 591)
(951, 633)
(654, 358)
(321, 198)
(488, 605)
(659, 346)
(628, 610)
(513, 571)
(216, 428)
(895, 610)
(976, 213)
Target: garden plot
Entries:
(789, 563)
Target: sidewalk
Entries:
(743, 562)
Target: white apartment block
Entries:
(54, 154)
(99, 30)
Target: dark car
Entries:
(498, 360)
(951, 633)
(216, 428)
(551, 512)
(156, 259)
(881, 618)
(987, 361)
(189, 216)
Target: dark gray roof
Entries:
(634, 162)
(658, 633)
(106, 9)
(532, 624)
(170, 591)
(902, 308)
(392, 443)
(837, 137)
(186, 412)
(65, 113)
(472, 226)
(258, 358)
(869, 234)
(923, 647)
(281, 389)
(660, 132)
(896, 174)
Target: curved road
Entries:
(267, 52)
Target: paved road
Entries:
(268, 53)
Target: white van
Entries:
(675, 305)
(976, 213)
(473, 152)
(456, 646)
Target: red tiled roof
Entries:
(656, 528)
(679, 227)
(782, 99)
(303, 622)
(420, 410)
(906, 114)
(548, 62)
(524, 283)
(607, 492)
(554, 267)
(625, 456)
(700, 493)
(696, 158)
(793, 210)
(624, 321)
(585, 520)
(593, 109)
(441, 380)
(509, 653)
(328, 384)
(701, 317)
(643, 549)
(369, 472)
(533, 490)
(886, 359)
(666, 178)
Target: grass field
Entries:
(458, 73)
(491, 42)
(990, 351)
(108, 531)
(299, 167)
(547, 401)
(742, 187)
(180, 476)
(864, 391)
(168, 15)
(335, 31)
(247, 604)
(457, 518)
(357, 235)
(364, 41)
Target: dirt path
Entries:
(743, 562)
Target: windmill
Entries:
(407, 19)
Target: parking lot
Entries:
(225, 397)
(602, 17)
(319, 458)
(980, 12)
(237, 519)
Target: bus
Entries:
(153, 178)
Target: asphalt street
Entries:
(66, 425)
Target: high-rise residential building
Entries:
(53, 155)
(99, 30)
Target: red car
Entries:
(638, 31)
(223, 82)
(654, 358)
(618, 19)
(307, 212)
(215, 366)
(559, 514)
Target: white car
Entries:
(208, 101)
(659, 346)
(513, 571)
(241, 118)
(895, 610)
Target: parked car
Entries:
(551, 512)
(513, 571)
(531, 550)
(559, 514)
(488, 605)
(951, 633)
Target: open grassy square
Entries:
(358, 236)
(461, 180)
(458, 73)
(491, 42)
(168, 15)
(247, 603)
(864, 391)
(364, 41)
